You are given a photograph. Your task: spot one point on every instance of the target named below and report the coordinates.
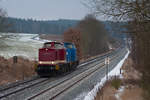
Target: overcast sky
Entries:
(45, 9)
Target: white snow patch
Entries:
(114, 72)
(20, 44)
(37, 38)
(119, 92)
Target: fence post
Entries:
(120, 71)
(15, 59)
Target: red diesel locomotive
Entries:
(56, 57)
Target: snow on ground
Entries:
(114, 72)
(81, 96)
(119, 92)
(20, 44)
(42, 40)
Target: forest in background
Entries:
(58, 26)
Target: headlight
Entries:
(53, 62)
(40, 62)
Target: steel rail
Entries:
(3, 94)
(89, 74)
(15, 84)
(26, 82)
(44, 91)
(50, 88)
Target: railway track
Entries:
(12, 90)
(15, 84)
(19, 87)
(59, 88)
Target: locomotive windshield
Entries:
(69, 45)
(47, 45)
(54, 45)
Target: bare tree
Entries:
(74, 36)
(89, 36)
(94, 37)
(4, 25)
(137, 13)
(121, 9)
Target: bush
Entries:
(116, 83)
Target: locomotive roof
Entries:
(68, 43)
(58, 42)
(53, 42)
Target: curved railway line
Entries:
(61, 86)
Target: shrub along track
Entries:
(36, 81)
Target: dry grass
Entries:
(132, 93)
(129, 71)
(10, 72)
(130, 81)
(106, 93)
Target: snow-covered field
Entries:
(20, 44)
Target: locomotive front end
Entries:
(51, 58)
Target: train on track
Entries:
(57, 57)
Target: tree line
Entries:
(137, 13)
(16, 25)
(39, 27)
(90, 37)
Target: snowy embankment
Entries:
(114, 72)
(20, 44)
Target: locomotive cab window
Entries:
(70, 46)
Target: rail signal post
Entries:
(107, 61)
